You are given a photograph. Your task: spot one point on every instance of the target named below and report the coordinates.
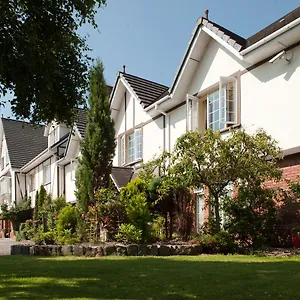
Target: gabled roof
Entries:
(81, 121)
(121, 176)
(281, 22)
(24, 141)
(234, 40)
(147, 91)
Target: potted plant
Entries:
(296, 237)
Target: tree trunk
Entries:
(217, 215)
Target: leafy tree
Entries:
(214, 161)
(98, 147)
(252, 214)
(42, 58)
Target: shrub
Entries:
(46, 238)
(26, 231)
(66, 223)
(217, 243)
(158, 231)
(252, 215)
(128, 233)
(134, 198)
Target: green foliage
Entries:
(42, 58)
(128, 233)
(252, 214)
(26, 231)
(67, 220)
(134, 198)
(46, 238)
(213, 161)
(98, 147)
(220, 242)
(158, 229)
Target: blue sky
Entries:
(150, 37)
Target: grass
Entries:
(202, 277)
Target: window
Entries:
(53, 135)
(217, 110)
(5, 185)
(31, 182)
(46, 173)
(74, 163)
(131, 147)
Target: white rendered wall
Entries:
(70, 183)
(270, 99)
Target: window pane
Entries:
(138, 144)
(131, 148)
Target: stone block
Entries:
(109, 250)
(16, 250)
(67, 250)
(132, 250)
(152, 250)
(25, 250)
(142, 250)
(77, 250)
(164, 250)
(90, 251)
(99, 251)
(121, 250)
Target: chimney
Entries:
(124, 69)
(206, 13)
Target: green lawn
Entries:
(202, 277)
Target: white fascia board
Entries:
(154, 105)
(271, 36)
(129, 88)
(112, 178)
(36, 161)
(186, 61)
(117, 84)
(222, 42)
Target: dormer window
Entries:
(54, 135)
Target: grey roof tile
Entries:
(24, 141)
(147, 91)
(281, 22)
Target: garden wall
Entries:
(106, 250)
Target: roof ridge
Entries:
(143, 79)
(20, 121)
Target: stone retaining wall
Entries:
(106, 250)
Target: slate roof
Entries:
(281, 22)
(80, 121)
(121, 176)
(81, 118)
(234, 40)
(24, 141)
(147, 91)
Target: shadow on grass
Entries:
(204, 277)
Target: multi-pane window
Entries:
(131, 147)
(46, 173)
(5, 185)
(216, 110)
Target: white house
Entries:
(223, 81)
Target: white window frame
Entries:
(74, 163)
(31, 182)
(136, 141)
(47, 172)
(225, 97)
(5, 185)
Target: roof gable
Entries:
(24, 141)
(147, 91)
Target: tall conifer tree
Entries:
(98, 147)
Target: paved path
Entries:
(5, 246)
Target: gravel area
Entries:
(6, 243)
(5, 246)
